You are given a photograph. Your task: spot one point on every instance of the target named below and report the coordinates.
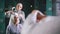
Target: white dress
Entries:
(48, 25)
(29, 23)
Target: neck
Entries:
(15, 24)
(18, 10)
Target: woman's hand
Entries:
(21, 15)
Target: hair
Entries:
(13, 8)
(19, 4)
(12, 18)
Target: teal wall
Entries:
(38, 4)
(9, 4)
(2, 17)
(49, 7)
(54, 7)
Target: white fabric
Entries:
(34, 16)
(12, 18)
(48, 25)
(30, 22)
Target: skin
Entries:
(19, 6)
(15, 20)
(39, 16)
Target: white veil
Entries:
(34, 16)
(12, 18)
(30, 20)
(50, 25)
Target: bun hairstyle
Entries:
(19, 4)
(13, 8)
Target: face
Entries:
(15, 20)
(19, 7)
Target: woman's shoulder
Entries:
(8, 27)
(22, 11)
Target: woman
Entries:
(31, 21)
(21, 13)
(14, 27)
(47, 25)
(38, 23)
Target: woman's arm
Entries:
(22, 17)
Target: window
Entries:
(58, 7)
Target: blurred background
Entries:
(48, 7)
